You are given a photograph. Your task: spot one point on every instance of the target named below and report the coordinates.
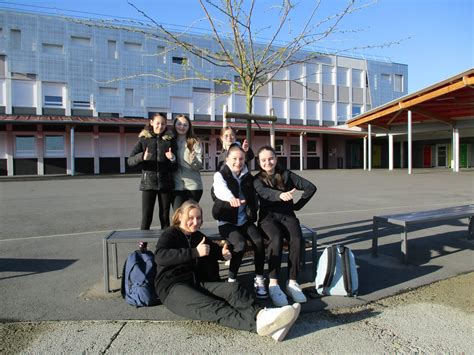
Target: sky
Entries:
(435, 38)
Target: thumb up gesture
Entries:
(146, 154)
(226, 254)
(169, 154)
(203, 248)
(287, 196)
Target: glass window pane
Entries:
(54, 144)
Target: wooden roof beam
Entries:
(433, 116)
(394, 117)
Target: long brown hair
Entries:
(276, 180)
(183, 211)
(191, 138)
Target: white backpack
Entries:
(336, 274)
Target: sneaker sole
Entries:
(281, 321)
(280, 334)
(261, 297)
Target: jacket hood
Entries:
(145, 133)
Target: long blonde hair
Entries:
(184, 210)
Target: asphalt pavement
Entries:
(51, 258)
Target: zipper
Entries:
(189, 243)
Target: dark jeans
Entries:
(236, 237)
(148, 206)
(181, 196)
(276, 227)
(226, 303)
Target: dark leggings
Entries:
(148, 206)
(236, 237)
(226, 303)
(277, 227)
(184, 195)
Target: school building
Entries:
(73, 98)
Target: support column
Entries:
(40, 150)
(10, 149)
(370, 148)
(191, 110)
(72, 154)
(96, 150)
(364, 142)
(272, 130)
(39, 98)
(224, 119)
(301, 150)
(390, 151)
(455, 150)
(409, 142)
(122, 148)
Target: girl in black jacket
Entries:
(188, 283)
(275, 187)
(155, 151)
(235, 209)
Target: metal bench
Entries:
(407, 219)
(134, 236)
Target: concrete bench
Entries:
(407, 219)
(134, 236)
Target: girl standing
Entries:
(235, 209)
(228, 137)
(275, 187)
(187, 178)
(187, 281)
(155, 152)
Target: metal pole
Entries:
(409, 142)
(390, 151)
(272, 130)
(370, 148)
(364, 141)
(301, 151)
(73, 166)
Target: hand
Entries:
(146, 154)
(226, 254)
(236, 202)
(169, 154)
(287, 196)
(203, 248)
(245, 145)
(192, 155)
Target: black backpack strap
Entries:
(331, 267)
(346, 269)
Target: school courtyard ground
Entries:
(51, 279)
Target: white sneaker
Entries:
(260, 289)
(280, 334)
(269, 320)
(294, 291)
(278, 297)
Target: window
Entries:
(356, 110)
(81, 104)
(23, 93)
(112, 49)
(202, 101)
(54, 145)
(294, 149)
(357, 78)
(279, 146)
(161, 54)
(108, 91)
(311, 147)
(328, 111)
(342, 112)
(15, 39)
(179, 60)
(129, 98)
(385, 78)
(132, 46)
(80, 41)
(52, 48)
(398, 83)
(327, 75)
(53, 94)
(2, 66)
(342, 76)
(25, 146)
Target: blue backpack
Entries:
(138, 279)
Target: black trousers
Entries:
(276, 227)
(226, 303)
(184, 195)
(236, 237)
(148, 206)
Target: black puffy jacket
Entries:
(157, 171)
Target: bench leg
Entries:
(470, 228)
(105, 258)
(404, 246)
(115, 260)
(375, 232)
